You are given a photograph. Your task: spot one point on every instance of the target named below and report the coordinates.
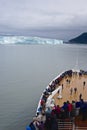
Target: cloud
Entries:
(31, 15)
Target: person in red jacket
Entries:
(69, 108)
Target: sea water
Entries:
(25, 70)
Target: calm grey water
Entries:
(25, 70)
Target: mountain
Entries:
(82, 39)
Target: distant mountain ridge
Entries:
(82, 39)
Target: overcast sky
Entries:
(61, 19)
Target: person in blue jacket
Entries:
(28, 128)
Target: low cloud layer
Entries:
(40, 17)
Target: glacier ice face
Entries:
(28, 40)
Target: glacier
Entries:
(28, 40)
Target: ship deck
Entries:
(71, 82)
(67, 81)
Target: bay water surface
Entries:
(25, 71)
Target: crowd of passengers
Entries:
(46, 119)
(53, 85)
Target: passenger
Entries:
(73, 104)
(52, 102)
(40, 125)
(41, 117)
(84, 83)
(62, 114)
(32, 126)
(53, 84)
(62, 86)
(49, 89)
(83, 109)
(53, 113)
(44, 97)
(54, 125)
(28, 128)
(42, 102)
(69, 81)
(48, 123)
(39, 121)
(48, 110)
(56, 81)
(78, 104)
(36, 125)
(80, 96)
(73, 113)
(65, 109)
(46, 92)
(69, 108)
(58, 111)
(39, 109)
(71, 90)
(75, 90)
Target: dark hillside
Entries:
(80, 39)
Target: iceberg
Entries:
(28, 40)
